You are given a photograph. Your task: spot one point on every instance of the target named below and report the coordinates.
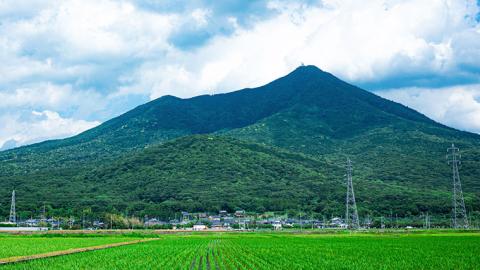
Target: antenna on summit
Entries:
(351, 213)
(459, 212)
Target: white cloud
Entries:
(38, 126)
(48, 95)
(76, 57)
(457, 106)
(358, 41)
(75, 39)
(201, 16)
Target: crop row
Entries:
(25, 245)
(257, 251)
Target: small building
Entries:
(153, 222)
(214, 218)
(338, 223)
(217, 225)
(199, 227)
(98, 224)
(32, 222)
(223, 213)
(277, 226)
(186, 216)
(240, 213)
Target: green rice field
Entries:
(262, 251)
(29, 245)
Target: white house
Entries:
(199, 227)
(277, 226)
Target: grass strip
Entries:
(18, 259)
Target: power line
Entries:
(459, 212)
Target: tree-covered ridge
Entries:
(169, 117)
(211, 173)
(284, 149)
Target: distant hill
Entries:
(307, 117)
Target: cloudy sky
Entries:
(66, 66)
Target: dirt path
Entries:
(17, 259)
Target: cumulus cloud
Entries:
(374, 44)
(457, 106)
(93, 59)
(18, 129)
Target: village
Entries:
(240, 220)
(221, 221)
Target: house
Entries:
(54, 223)
(199, 227)
(214, 218)
(223, 213)
(186, 216)
(217, 225)
(240, 213)
(338, 223)
(153, 222)
(228, 219)
(98, 224)
(32, 222)
(277, 226)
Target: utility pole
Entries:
(351, 213)
(427, 221)
(311, 218)
(13, 212)
(368, 222)
(459, 219)
(43, 216)
(300, 218)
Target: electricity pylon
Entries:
(13, 214)
(351, 213)
(460, 219)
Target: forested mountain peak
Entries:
(297, 126)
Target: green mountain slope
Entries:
(170, 117)
(398, 153)
(210, 173)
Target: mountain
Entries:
(398, 153)
(206, 172)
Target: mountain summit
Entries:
(306, 117)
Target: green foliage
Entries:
(280, 251)
(275, 148)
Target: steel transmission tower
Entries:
(351, 213)
(13, 214)
(460, 219)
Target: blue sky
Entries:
(67, 66)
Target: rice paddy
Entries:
(268, 251)
(29, 245)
